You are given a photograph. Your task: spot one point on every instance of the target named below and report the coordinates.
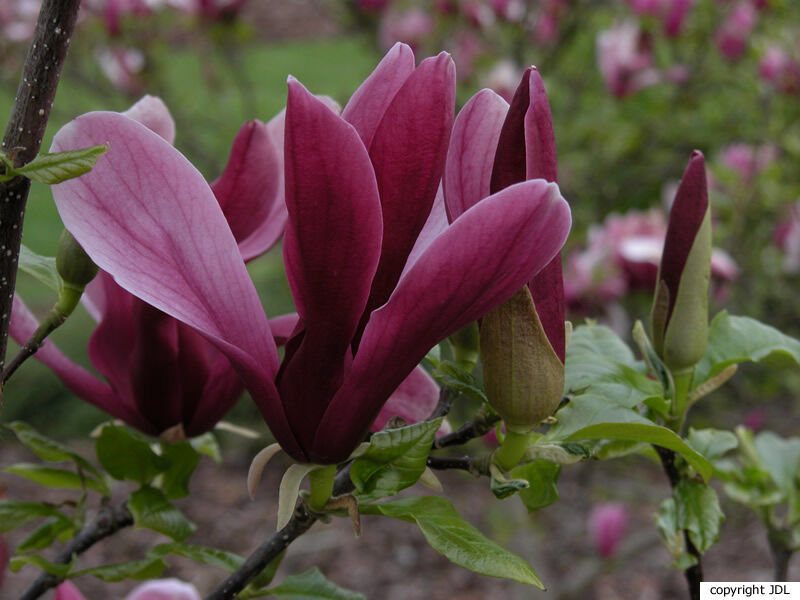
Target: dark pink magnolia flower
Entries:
(671, 13)
(412, 26)
(156, 589)
(123, 68)
(359, 189)
(780, 69)
(787, 237)
(607, 524)
(18, 20)
(163, 377)
(746, 160)
(734, 32)
(509, 10)
(625, 58)
(546, 24)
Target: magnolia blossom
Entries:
(122, 67)
(671, 13)
(156, 589)
(545, 27)
(625, 58)
(748, 161)
(734, 32)
(607, 524)
(359, 188)
(503, 78)
(787, 236)
(18, 20)
(780, 69)
(509, 10)
(412, 27)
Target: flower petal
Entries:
(367, 105)
(68, 591)
(408, 153)
(147, 216)
(413, 401)
(283, 327)
(77, 379)
(164, 589)
(248, 188)
(151, 112)
(481, 260)
(470, 156)
(331, 250)
(434, 226)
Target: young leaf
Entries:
(57, 569)
(711, 443)
(42, 268)
(599, 340)
(394, 460)
(733, 340)
(126, 456)
(207, 556)
(542, 477)
(47, 449)
(147, 568)
(183, 459)
(52, 168)
(449, 534)
(152, 510)
(57, 478)
(698, 512)
(15, 514)
(46, 534)
(309, 585)
(207, 444)
(449, 374)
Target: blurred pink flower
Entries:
(545, 28)
(508, 10)
(780, 69)
(372, 6)
(747, 160)
(411, 27)
(607, 524)
(732, 35)
(17, 20)
(671, 13)
(466, 49)
(503, 78)
(755, 419)
(122, 67)
(478, 13)
(787, 237)
(155, 589)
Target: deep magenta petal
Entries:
(510, 163)
(367, 105)
(146, 215)
(331, 250)
(685, 218)
(248, 188)
(434, 226)
(408, 153)
(413, 400)
(470, 156)
(540, 140)
(480, 261)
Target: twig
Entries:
(442, 407)
(693, 574)
(23, 136)
(463, 463)
(482, 425)
(781, 552)
(108, 521)
(55, 319)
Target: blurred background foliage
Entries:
(628, 109)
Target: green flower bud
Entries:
(73, 264)
(523, 375)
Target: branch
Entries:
(23, 136)
(476, 467)
(108, 521)
(484, 422)
(693, 574)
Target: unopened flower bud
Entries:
(680, 309)
(73, 264)
(523, 376)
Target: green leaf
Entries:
(57, 569)
(503, 488)
(394, 460)
(712, 443)
(57, 478)
(667, 524)
(780, 457)
(126, 456)
(46, 534)
(42, 268)
(15, 514)
(183, 459)
(447, 373)
(541, 476)
(590, 417)
(48, 449)
(147, 568)
(152, 510)
(698, 512)
(599, 340)
(733, 340)
(310, 585)
(52, 168)
(207, 444)
(449, 534)
(207, 556)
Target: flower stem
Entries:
(321, 482)
(512, 450)
(683, 381)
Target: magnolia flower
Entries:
(162, 377)
(545, 27)
(671, 13)
(156, 589)
(607, 524)
(680, 307)
(787, 236)
(495, 146)
(412, 27)
(359, 189)
(780, 69)
(122, 67)
(733, 33)
(748, 161)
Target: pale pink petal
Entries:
(283, 327)
(164, 589)
(470, 156)
(151, 112)
(68, 591)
